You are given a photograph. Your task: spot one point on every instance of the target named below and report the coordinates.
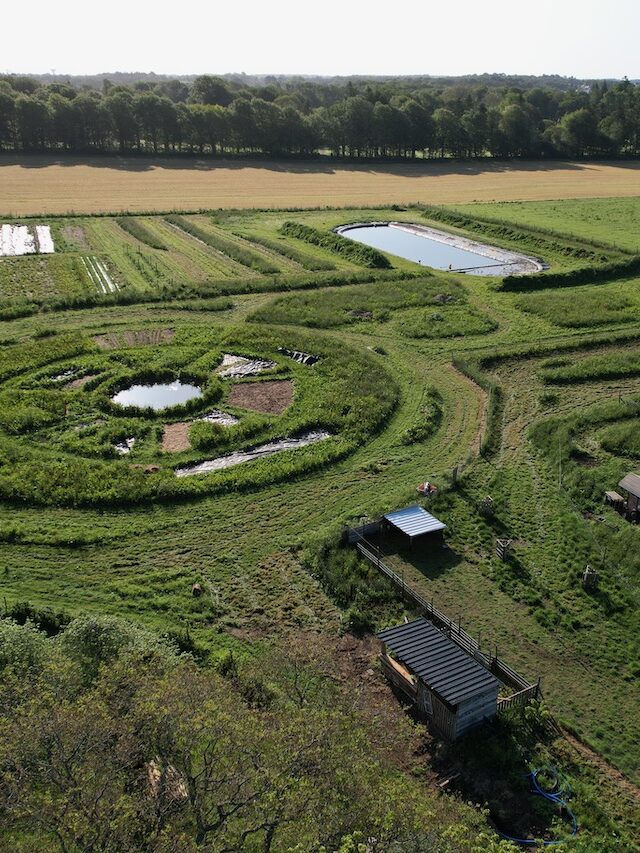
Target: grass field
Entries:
(615, 221)
(44, 184)
(399, 409)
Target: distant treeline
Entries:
(399, 118)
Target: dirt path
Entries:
(474, 447)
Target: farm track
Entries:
(46, 184)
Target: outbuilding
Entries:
(415, 523)
(631, 485)
(452, 689)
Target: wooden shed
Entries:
(450, 687)
(631, 485)
(415, 523)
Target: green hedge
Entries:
(594, 274)
(357, 253)
(535, 240)
(492, 431)
(138, 230)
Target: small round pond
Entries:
(159, 396)
(439, 249)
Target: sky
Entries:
(579, 38)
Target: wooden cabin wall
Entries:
(475, 710)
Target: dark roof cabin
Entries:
(631, 485)
(448, 685)
(415, 522)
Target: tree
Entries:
(33, 121)
(120, 105)
(7, 116)
(210, 90)
(580, 132)
(447, 131)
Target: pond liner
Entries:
(502, 260)
(300, 357)
(241, 456)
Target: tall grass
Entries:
(137, 229)
(306, 260)
(360, 254)
(227, 247)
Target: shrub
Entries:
(358, 253)
(138, 230)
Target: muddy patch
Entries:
(176, 437)
(270, 398)
(133, 338)
(241, 456)
(76, 236)
(81, 381)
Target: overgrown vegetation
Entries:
(244, 256)
(137, 229)
(221, 566)
(360, 254)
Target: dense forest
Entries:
(355, 118)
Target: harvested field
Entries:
(45, 184)
(131, 338)
(176, 437)
(270, 398)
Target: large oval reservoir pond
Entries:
(439, 249)
(160, 395)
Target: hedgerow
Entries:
(592, 274)
(137, 229)
(306, 260)
(358, 253)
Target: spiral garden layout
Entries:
(212, 396)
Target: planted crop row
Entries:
(138, 230)
(227, 247)
(179, 290)
(358, 253)
(309, 262)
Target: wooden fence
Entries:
(525, 690)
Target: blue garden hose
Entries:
(559, 796)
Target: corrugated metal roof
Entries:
(443, 666)
(414, 521)
(631, 484)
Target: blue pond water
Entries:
(424, 250)
(158, 396)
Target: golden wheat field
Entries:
(34, 184)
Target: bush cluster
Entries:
(357, 253)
